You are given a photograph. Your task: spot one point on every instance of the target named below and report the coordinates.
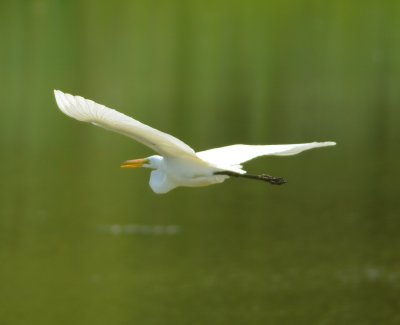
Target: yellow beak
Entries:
(135, 163)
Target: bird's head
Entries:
(152, 162)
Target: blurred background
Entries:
(85, 242)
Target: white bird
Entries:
(177, 164)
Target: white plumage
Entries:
(177, 163)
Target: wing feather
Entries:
(240, 153)
(86, 110)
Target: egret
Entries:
(177, 163)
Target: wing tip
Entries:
(71, 106)
(328, 143)
(59, 96)
(58, 93)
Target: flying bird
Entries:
(177, 164)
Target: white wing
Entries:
(239, 153)
(88, 111)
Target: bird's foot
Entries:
(272, 180)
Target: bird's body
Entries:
(177, 163)
(171, 173)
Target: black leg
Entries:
(263, 177)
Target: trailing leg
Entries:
(263, 177)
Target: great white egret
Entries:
(177, 164)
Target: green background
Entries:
(85, 242)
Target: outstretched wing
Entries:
(88, 111)
(240, 153)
